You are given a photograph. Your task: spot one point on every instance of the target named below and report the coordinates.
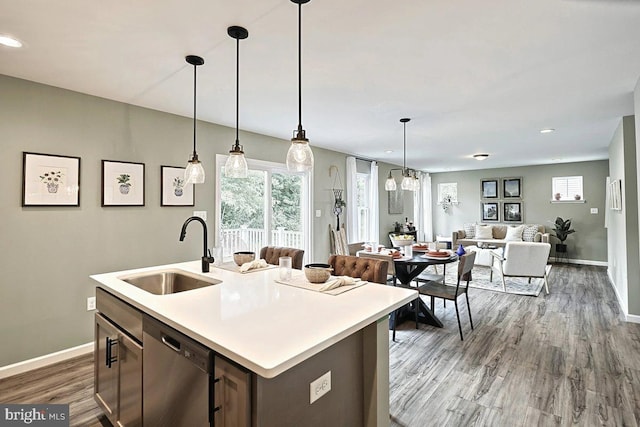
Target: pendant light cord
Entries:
(299, 66)
(404, 149)
(237, 92)
(194, 110)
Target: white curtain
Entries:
(422, 214)
(352, 202)
(374, 226)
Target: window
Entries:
(362, 202)
(565, 188)
(269, 207)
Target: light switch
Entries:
(318, 213)
(201, 214)
(594, 210)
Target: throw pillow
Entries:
(469, 230)
(514, 234)
(484, 232)
(529, 232)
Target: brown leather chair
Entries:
(272, 254)
(369, 269)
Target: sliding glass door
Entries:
(270, 207)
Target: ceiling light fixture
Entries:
(480, 156)
(299, 156)
(10, 41)
(194, 174)
(236, 165)
(407, 180)
(548, 130)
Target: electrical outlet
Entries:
(320, 387)
(201, 214)
(318, 213)
(91, 303)
(594, 210)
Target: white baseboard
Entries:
(632, 318)
(580, 261)
(47, 359)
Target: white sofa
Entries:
(498, 235)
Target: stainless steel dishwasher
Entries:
(176, 378)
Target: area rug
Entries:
(480, 279)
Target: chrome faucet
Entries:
(206, 255)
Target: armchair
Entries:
(523, 259)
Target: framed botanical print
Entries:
(489, 211)
(122, 183)
(50, 180)
(489, 188)
(511, 188)
(174, 191)
(512, 212)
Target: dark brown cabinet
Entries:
(118, 365)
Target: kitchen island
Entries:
(286, 337)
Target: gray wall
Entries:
(589, 242)
(623, 224)
(48, 253)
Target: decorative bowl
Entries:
(241, 257)
(317, 273)
(402, 239)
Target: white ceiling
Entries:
(474, 76)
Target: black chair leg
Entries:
(417, 308)
(469, 309)
(458, 316)
(433, 304)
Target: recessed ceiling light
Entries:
(10, 41)
(389, 151)
(480, 156)
(548, 130)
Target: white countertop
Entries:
(262, 325)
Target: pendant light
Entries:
(236, 165)
(299, 156)
(390, 183)
(407, 180)
(194, 174)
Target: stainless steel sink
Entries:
(164, 282)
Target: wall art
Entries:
(489, 188)
(50, 180)
(489, 211)
(122, 183)
(511, 188)
(173, 190)
(512, 212)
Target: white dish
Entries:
(435, 257)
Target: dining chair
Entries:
(391, 271)
(437, 289)
(369, 269)
(272, 254)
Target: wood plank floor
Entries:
(564, 359)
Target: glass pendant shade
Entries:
(407, 182)
(236, 165)
(194, 174)
(390, 184)
(299, 156)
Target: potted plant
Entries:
(178, 184)
(562, 229)
(397, 227)
(125, 185)
(52, 180)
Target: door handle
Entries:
(109, 357)
(173, 344)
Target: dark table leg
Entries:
(407, 313)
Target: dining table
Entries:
(407, 269)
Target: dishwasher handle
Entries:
(172, 343)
